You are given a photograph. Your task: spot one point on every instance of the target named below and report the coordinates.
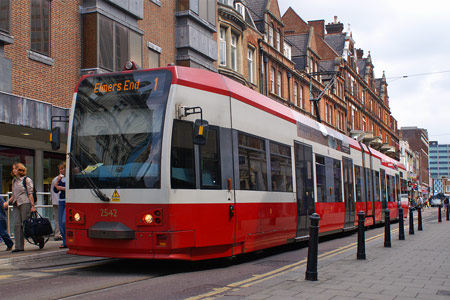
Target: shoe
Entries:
(9, 248)
(16, 250)
(62, 246)
(58, 238)
(41, 244)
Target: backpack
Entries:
(24, 182)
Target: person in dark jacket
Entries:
(3, 227)
(60, 186)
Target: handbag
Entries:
(36, 226)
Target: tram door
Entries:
(305, 186)
(349, 197)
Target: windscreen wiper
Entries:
(89, 181)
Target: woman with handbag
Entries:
(23, 203)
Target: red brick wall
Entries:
(54, 84)
(159, 26)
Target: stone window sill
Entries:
(157, 2)
(40, 58)
(6, 39)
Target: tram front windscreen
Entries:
(117, 130)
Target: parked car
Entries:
(435, 202)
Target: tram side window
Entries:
(377, 185)
(209, 162)
(397, 187)
(383, 185)
(281, 167)
(369, 185)
(321, 179)
(328, 179)
(360, 197)
(182, 156)
(337, 181)
(389, 187)
(252, 163)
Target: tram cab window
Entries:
(209, 162)
(328, 179)
(182, 156)
(252, 163)
(280, 167)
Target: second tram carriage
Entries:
(149, 178)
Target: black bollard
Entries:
(401, 224)
(387, 228)
(440, 214)
(411, 221)
(446, 212)
(313, 248)
(419, 219)
(361, 239)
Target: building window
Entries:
(117, 45)
(287, 50)
(205, 9)
(251, 65)
(233, 52)
(272, 80)
(300, 98)
(295, 92)
(5, 16)
(277, 41)
(271, 35)
(364, 124)
(40, 26)
(153, 59)
(223, 47)
(279, 84)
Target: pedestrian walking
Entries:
(23, 203)
(3, 227)
(54, 197)
(60, 186)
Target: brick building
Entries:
(417, 139)
(45, 46)
(357, 98)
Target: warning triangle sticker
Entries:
(115, 196)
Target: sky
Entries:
(405, 38)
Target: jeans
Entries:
(4, 234)
(62, 220)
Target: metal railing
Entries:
(43, 209)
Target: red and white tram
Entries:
(148, 179)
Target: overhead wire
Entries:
(420, 74)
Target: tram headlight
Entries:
(148, 218)
(77, 217)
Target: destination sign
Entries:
(127, 85)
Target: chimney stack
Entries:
(319, 27)
(359, 53)
(335, 27)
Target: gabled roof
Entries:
(336, 41)
(257, 9)
(300, 43)
(361, 63)
(327, 65)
